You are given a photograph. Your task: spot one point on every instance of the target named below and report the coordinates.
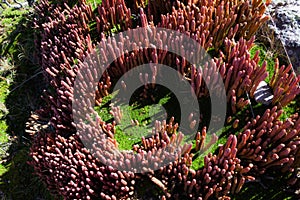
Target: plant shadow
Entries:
(24, 97)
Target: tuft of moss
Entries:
(265, 55)
(94, 3)
(127, 135)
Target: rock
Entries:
(263, 94)
(286, 24)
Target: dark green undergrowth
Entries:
(21, 85)
(268, 187)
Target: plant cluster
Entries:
(256, 144)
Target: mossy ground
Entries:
(20, 89)
(265, 55)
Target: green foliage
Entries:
(94, 3)
(3, 135)
(198, 160)
(115, 29)
(265, 55)
(10, 19)
(11, 12)
(145, 113)
(127, 133)
(6, 78)
(18, 96)
(291, 108)
(3, 169)
(18, 180)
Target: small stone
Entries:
(263, 94)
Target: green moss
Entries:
(265, 55)
(198, 159)
(11, 12)
(12, 24)
(4, 85)
(126, 133)
(116, 28)
(3, 135)
(4, 90)
(291, 108)
(9, 19)
(17, 99)
(3, 169)
(143, 111)
(94, 3)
